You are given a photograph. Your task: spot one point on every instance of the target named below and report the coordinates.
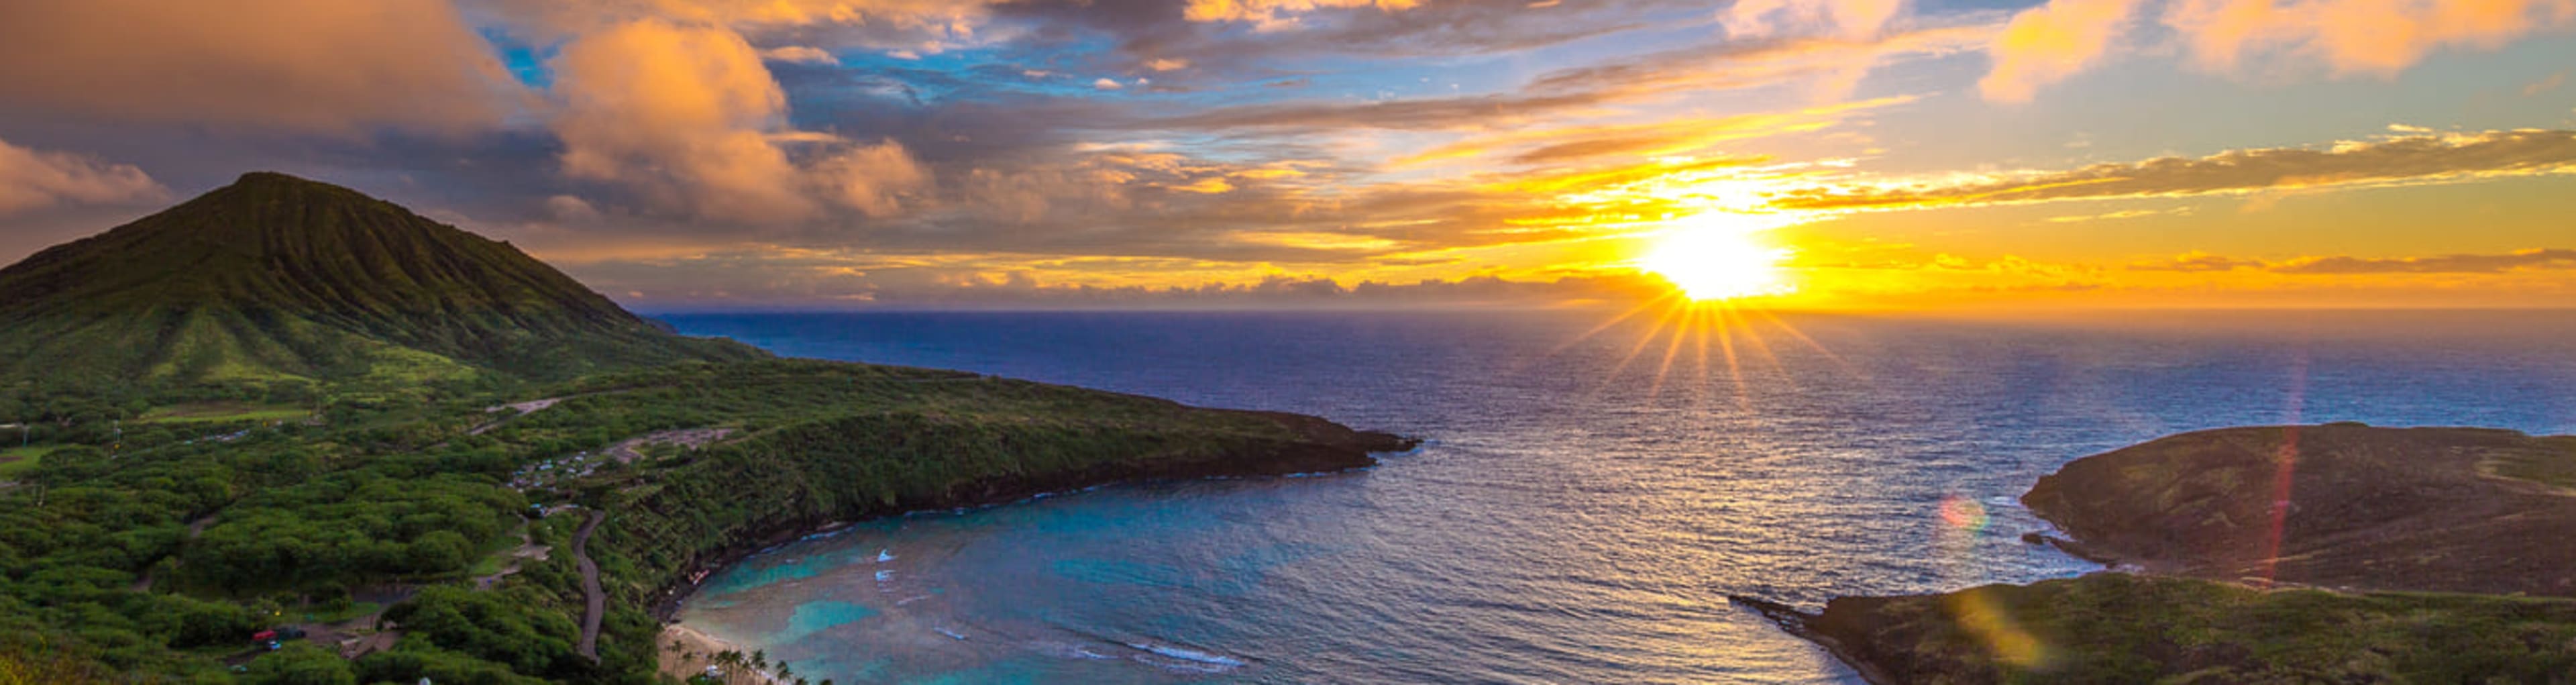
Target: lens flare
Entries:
(1991, 621)
(1964, 514)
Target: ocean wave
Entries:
(1191, 655)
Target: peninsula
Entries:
(2289, 554)
(287, 433)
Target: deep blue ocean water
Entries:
(1585, 503)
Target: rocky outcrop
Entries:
(2217, 522)
(2338, 506)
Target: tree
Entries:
(300, 664)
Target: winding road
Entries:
(598, 601)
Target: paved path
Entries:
(598, 601)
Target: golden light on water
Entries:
(1720, 256)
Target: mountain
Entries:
(277, 278)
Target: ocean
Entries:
(1589, 493)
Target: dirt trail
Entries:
(597, 600)
(528, 549)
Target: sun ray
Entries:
(1689, 321)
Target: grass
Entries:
(2552, 464)
(2121, 628)
(18, 460)
(222, 412)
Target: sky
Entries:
(1826, 154)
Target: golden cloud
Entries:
(2051, 42)
(2398, 160)
(1277, 14)
(691, 116)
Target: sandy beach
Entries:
(696, 652)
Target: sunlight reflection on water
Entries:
(1573, 520)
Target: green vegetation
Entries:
(164, 554)
(15, 461)
(276, 282)
(2122, 628)
(272, 408)
(221, 412)
(2552, 463)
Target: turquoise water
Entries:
(1584, 503)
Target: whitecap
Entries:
(951, 633)
(1188, 654)
(885, 555)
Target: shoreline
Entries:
(1368, 444)
(2444, 549)
(696, 654)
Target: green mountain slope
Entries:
(277, 278)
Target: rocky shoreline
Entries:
(2424, 555)
(1327, 447)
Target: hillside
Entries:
(276, 278)
(419, 455)
(2428, 509)
(2290, 554)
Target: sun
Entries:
(1711, 259)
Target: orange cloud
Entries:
(2051, 42)
(302, 65)
(2056, 40)
(2377, 37)
(1277, 14)
(690, 115)
(30, 179)
(873, 24)
(2398, 160)
(800, 54)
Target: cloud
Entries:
(2122, 214)
(1853, 19)
(2060, 38)
(2520, 260)
(2051, 42)
(799, 54)
(1105, 83)
(327, 66)
(689, 115)
(872, 25)
(871, 178)
(2443, 264)
(1585, 90)
(2546, 84)
(1277, 14)
(682, 110)
(2197, 262)
(31, 179)
(571, 209)
(2423, 158)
